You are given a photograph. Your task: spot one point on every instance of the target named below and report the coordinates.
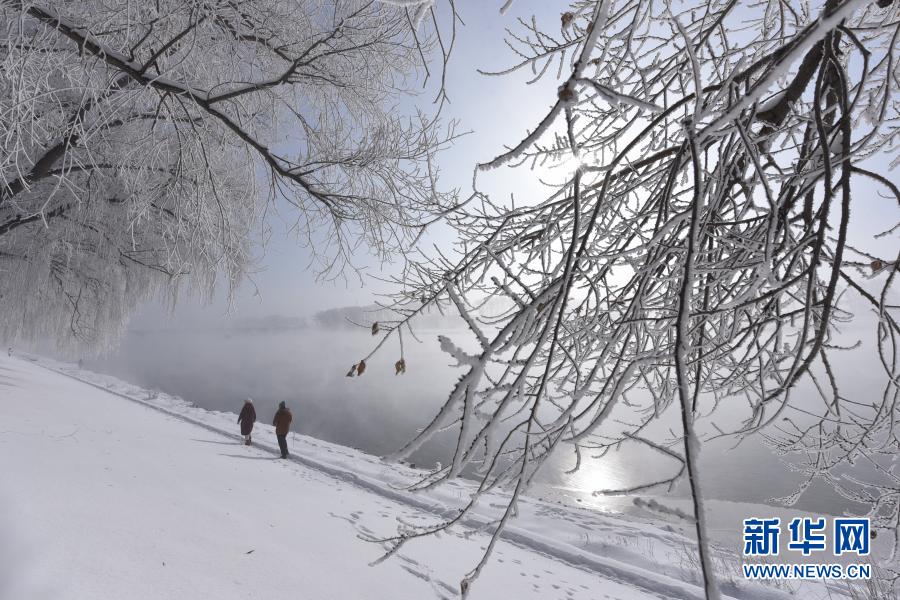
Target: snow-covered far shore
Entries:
(114, 491)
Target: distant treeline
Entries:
(351, 316)
(347, 317)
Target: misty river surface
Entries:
(379, 411)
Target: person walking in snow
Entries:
(246, 419)
(282, 423)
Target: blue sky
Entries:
(496, 111)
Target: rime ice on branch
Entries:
(141, 143)
(699, 259)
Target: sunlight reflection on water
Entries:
(378, 412)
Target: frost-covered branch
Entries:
(698, 265)
(141, 146)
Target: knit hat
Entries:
(248, 401)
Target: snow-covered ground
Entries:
(112, 491)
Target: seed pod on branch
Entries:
(400, 367)
(653, 262)
(361, 367)
(567, 94)
(375, 328)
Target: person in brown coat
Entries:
(246, 419)
(282, 423)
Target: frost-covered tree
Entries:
(141, 141)
(699, 260)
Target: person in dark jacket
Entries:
(282, 423)
(246, 419)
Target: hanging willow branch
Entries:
(700, 259)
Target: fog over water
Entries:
(305, 366)
(215, 365)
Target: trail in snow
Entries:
(608, 555)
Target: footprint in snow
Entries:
(343, 518)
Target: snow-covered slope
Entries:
(111, 491)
